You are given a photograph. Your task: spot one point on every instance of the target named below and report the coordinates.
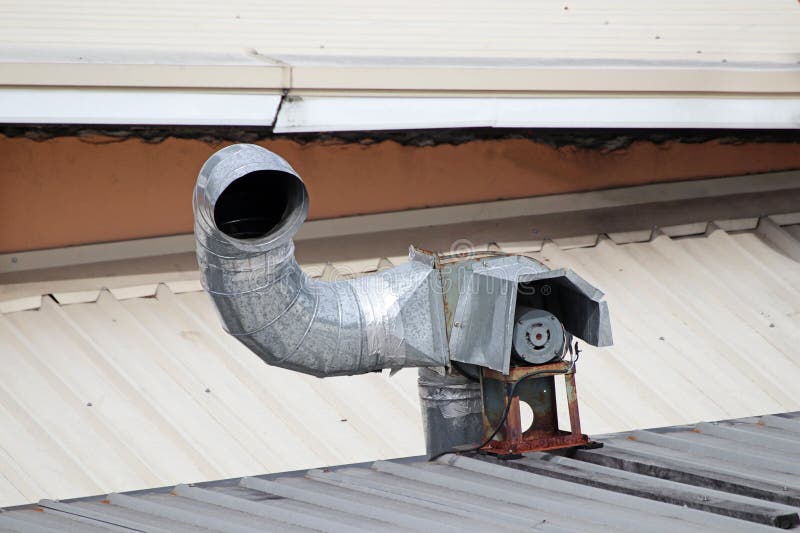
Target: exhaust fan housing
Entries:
(486, 329)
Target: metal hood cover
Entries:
(484, 317)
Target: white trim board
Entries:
(295, 114)
(318, 229)
(137, 106)
(320, 113)
(399, 76)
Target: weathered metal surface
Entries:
(576, 302)
(455, 493)
(451, 411)
(708, 466)
(493, 288)
(687, 471)
(534, 385)
(713, 501)
(484, 315)
(248, 204)
(572, 403)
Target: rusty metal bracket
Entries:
(535, 385)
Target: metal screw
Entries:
(457, 324)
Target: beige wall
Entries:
(70, 190)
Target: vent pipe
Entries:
(248, 204)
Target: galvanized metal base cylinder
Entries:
(451, 411)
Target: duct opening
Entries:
(258, 204)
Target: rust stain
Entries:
(69, 190)
(544, 434)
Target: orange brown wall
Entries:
(70, 190)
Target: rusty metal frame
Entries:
(535, 385)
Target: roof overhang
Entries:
(42, 105)
(318, 94)
(321, 113)
(537, 64)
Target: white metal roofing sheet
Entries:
(753, 30)
(745, 46)
(139, 388)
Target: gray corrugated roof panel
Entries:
(697, 477)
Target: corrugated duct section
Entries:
(143, 389)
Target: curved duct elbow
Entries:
(248, 204)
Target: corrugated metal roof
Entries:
(744, 46)
(123, 394)
(239, 31)
(360, 66)
(138, 386)
(705, 478)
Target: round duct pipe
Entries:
(248, 204)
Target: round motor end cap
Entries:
(538, 336)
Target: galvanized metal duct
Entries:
(248, 204)
(451, 411)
